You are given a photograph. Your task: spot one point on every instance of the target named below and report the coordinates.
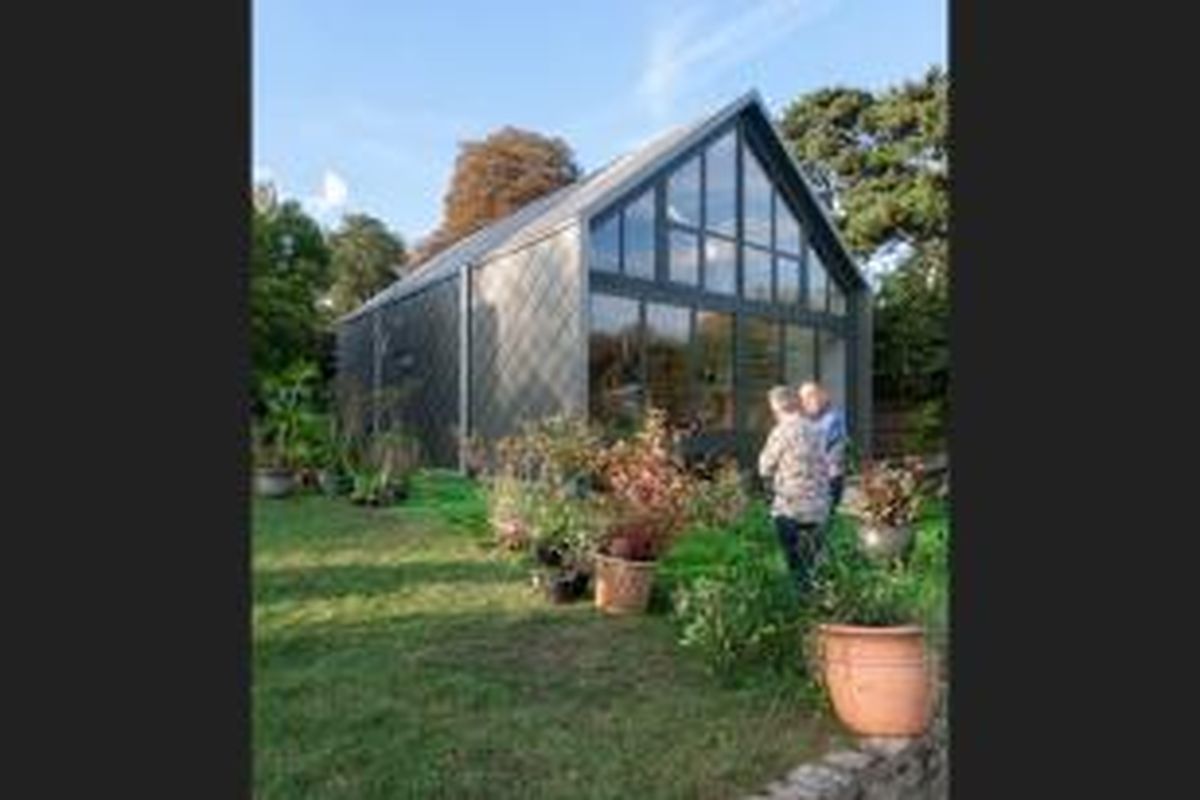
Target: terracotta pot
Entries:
(884, 542)
(880, 680)
(270, 482)
(622, 586)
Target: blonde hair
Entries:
(782, 398)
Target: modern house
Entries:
(690, 275)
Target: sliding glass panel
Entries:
(714, 370)
(720, 266)
(684, 257)
(639, 236)
(760, 358)
(837, 300)
(787, 273)
(615, 362)
(720, 190)
(756, 200)
(757, 274)
(817, 281)
(799, 355)
(683, 194)
(606, 244)
(667, 336)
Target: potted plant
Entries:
(888, 501)
(509, 501)
(273, 476)
(562, 531)
(872, 653)
(383, 477)
(280, 435)
(650, 495)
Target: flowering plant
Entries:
(889, 493)
(650, 491)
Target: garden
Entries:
(576, 617)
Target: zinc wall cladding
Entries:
(527, 329)
(355, 356)
(419, 368)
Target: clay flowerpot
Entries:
(623, 586)
(272, 482)
(880, 680)
(882, 542)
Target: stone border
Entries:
(876, 769)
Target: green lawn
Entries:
(396, 655)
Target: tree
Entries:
(496, 176)
(365, 257)
(883, 160)
(289, 272)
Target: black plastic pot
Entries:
(565, 587)
(547, 556)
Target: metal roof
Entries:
(578, 201)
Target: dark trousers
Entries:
(836, 487)
(801, 542)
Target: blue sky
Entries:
(359, 105)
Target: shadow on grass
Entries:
(297, 583)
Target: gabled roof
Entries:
(591, 193)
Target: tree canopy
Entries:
(365, 258)
(881, 159)
(494, 177)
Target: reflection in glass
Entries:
(720, 189)
(799, 355)
(817, 281)
(837, 300)
(756, 281)
(615, 362)
(760, 364)
(787, 274)
(684, 257)
(756, 200)
(720, 266)
(639, 236)
(667, 335)
(714, 370)
(683, 194)
(787, 229)
(833, 366)
(606, 253)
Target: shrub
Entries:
(890, 494)
(720, 500)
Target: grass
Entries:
(397, 655)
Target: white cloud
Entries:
(684, 51)
(331, 196)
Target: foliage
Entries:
(882, 160)
(744, 616)
(510, 508)
(557, 449)
(494, 177)
(372, 486)
(366, 257)
(650, 491)
(720, 500)
(890, 493)
(565, 527)
(283, 436)
(289, 272)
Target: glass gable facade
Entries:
(706, 291)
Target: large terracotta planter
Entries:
(884, 542)
(880, 680)
(623, 586)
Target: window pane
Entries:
(714, 370)
(639, 236)
(799, 355)
(667, 333)
(606, 243)
(684, 266)
(615, 362)
(833, 366)
(760, 363)
(837, 300)
(683, 194)
(787, 228)
(720, 169)
(756, 274)
(720, 266)
(787, 273)
(756, 199)
(816, 281)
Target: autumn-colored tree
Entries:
(494, 177)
